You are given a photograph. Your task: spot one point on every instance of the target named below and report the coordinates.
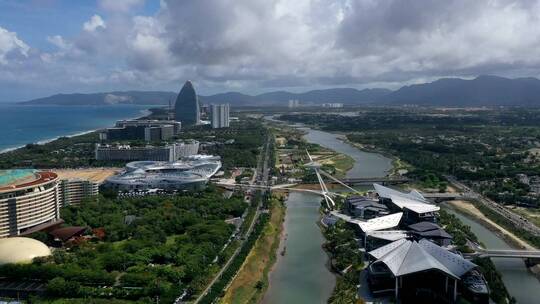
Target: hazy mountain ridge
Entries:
(481, 91)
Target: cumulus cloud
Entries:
(11, 46)
(255, 45)
(122, 6)
(94, 23)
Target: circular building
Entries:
(28, 198)
(21, 250)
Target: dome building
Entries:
(21, 250)
(187, 106)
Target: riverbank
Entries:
(470, 210)
(251, 281)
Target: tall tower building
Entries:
(187, 106)
(220, 116)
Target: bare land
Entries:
(97, 175)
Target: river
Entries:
(302, 275)
(521, 284)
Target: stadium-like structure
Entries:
(191, 173)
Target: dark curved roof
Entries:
(67, 233)
(424, 226)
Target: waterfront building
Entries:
(431, 231)
(421, 271)
(143, 129)
(415, 207)
(187, 106)
(28, 198)
(365, 208)
(192, 173)
(220, 116)
(170, 152)
(74, 191)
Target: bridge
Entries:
(372, 180)
(502, 253)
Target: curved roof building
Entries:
(187, 106)
(192, 173)
(28, 198)
(21, 250)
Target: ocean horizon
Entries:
(24, 124)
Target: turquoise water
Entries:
(9, 176)
(21, 125)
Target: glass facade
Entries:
(187, 106)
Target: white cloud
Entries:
(256, 45)
(120, 5)
(11, 45)
(94, 23)
(59, 42)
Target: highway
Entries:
(516, 219)
(261, 177)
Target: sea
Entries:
(24, 124)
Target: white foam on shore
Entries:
(144, 113)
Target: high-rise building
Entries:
(187, 106)
(74, 191)
(294, 103)
(220, 116)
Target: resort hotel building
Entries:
(30, 199)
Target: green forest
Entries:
(171, 244)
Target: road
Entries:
(261, 177)
(516, 219)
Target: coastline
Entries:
(145, 113)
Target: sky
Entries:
(254, 46)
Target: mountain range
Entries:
(480, 91)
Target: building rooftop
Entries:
(14, 176)
(26, 179)
(404, 257)
(413, 200)
(389, 235)
(424, 226)
(386, 192)
(378, 223)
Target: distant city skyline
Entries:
(253, 46)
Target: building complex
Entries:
(191, 173)
(142, 129)
(168, 152)
(408, 253)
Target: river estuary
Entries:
(301, 275)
